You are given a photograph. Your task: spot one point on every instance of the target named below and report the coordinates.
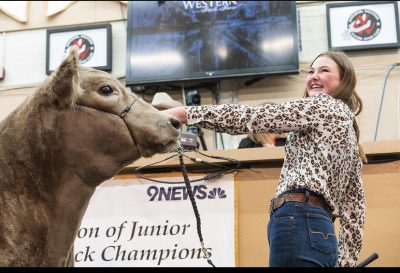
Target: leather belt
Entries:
(298, 197)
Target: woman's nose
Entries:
(314, 75)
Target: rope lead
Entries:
(207, 254)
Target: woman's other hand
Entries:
(177, 112)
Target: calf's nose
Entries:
(175, 123)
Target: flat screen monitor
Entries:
(180, 41)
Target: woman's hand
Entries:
(178, 113)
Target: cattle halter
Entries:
(121, 115)
(127, 108)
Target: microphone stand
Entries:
(197, 131)
(368, 260)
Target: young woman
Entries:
(322, 166)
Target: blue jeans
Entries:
(301, 235)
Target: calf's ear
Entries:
(62, 86)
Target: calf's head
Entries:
(84, 89)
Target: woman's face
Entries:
(323, 76)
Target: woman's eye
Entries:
(106, 90)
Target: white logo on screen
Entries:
(208, 6)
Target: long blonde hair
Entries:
(266, 138)
(346, 89)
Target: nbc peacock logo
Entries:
(216, 193)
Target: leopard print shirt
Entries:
(321, 154)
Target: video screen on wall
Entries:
(180, 41)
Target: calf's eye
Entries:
(106, 90)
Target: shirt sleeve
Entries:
(352, 217)
(271, 118)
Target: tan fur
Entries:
(56, 148)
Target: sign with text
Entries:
(139, 223)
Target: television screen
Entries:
(179, 41)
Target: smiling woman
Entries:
(323, 76)
(322, 165)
